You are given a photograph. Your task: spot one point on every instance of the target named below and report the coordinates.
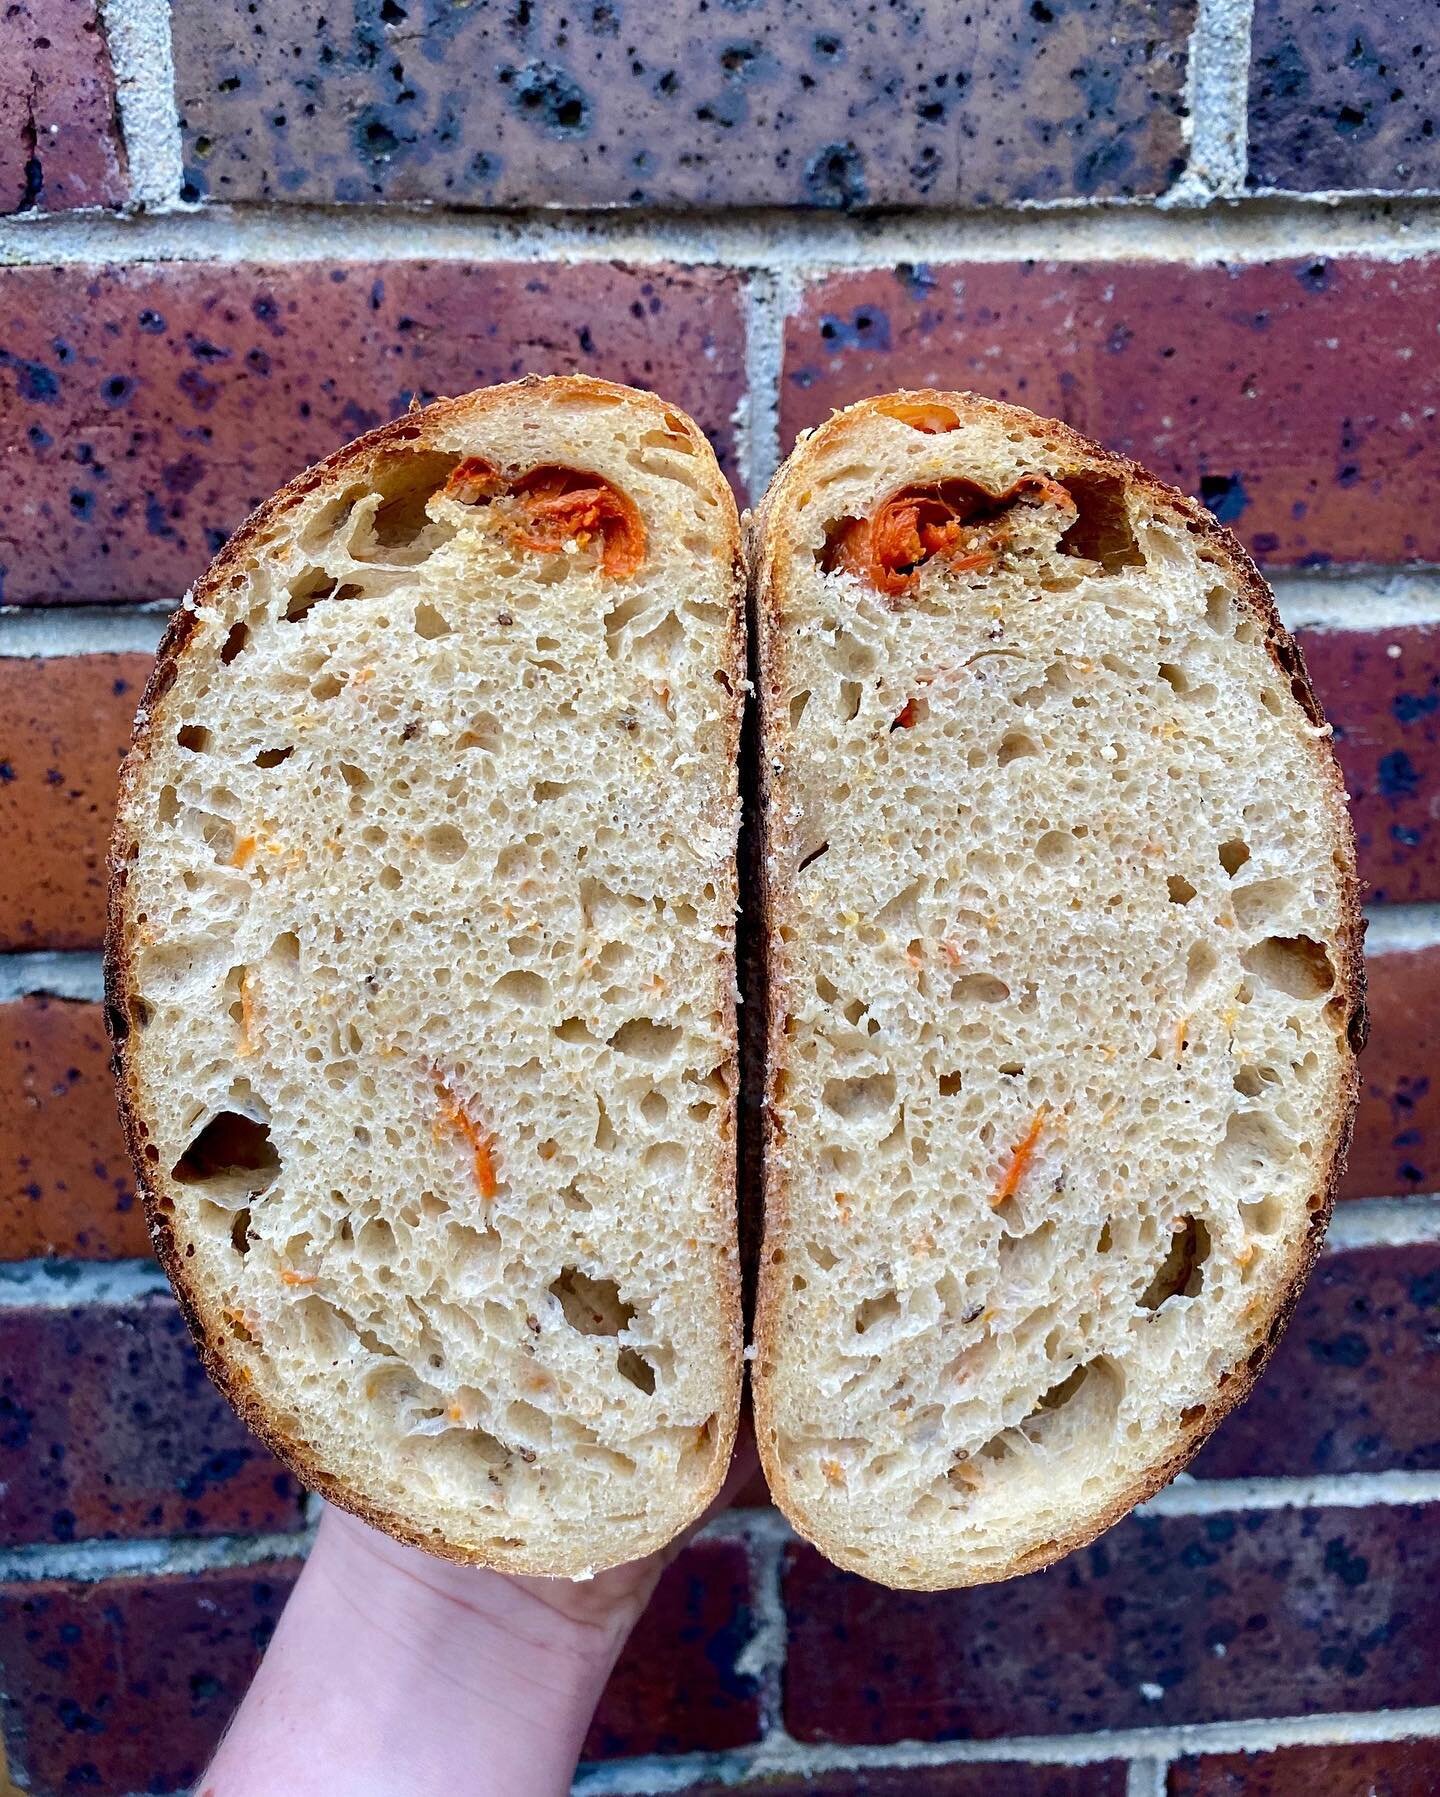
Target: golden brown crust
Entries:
(767, 542)
(415, 429)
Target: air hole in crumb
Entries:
(646, 1040)
(354, 777)
(194, 737)
(850, 695)
(1262, 901)
(979, 989)
(1200, 966)
(1298, 966)
(797, 707)
(238, 637)
(633, 1365)
(856, 1100)
(522, 987)
(273, 757)
(1107, 1238)
(575, 1030)
(591, 1306)
(232, 1150)
(1102, 531)
(1180, 890)
(390, 878)
(443, 842)
(884, 1309)
(1233, 855)
(430, 623)
(814, 855)
(1056, 848)
(950, 1084)
(1180, 1274)
(1014, 746)
(240, 1233)
(406, 484)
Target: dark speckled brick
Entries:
(1370, 1769)
(125, 1686)
(1381, 690)
(59, 140)
(65, 1180)
(1354, 1385)
(678, 1687)
(108, 1426)
(64, 725)
(625, 103)
(1164, 1620)
(147, 409)
(1298, 399)
(1342, 94)
(1396, 1147)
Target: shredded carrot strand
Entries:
(455, 1116)
(1021, 1156)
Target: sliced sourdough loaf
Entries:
(1065, 985)
(421, 973)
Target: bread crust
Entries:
(415, 430)
(770, 541)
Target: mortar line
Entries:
(658, 1773)
(118, 628)
(1217, 91)
(141, 55)
(1394, 929)
(60, 973)
(1188, 1496)
(1411, 1221)
(1146, 1777)
(1357, 599)
(1240, 230)
(767, 303)
(763, 1656)
(89, 1562)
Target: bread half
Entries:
(1065, 985)
(421, 973)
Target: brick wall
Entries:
(236, 235)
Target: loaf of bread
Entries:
(421, 973)
(1065, 985)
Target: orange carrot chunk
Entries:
(473, 480)
(564, 505)
(456, 1117)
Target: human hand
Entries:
(395, 1674)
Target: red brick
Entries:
(1355, 1383)
(804, 104)
(994, 1778)
(1342, 94)
(125, 1685)
(1165, 1620)
(1381, 691)
(148, 409)
(678, 1687)
(109, 1427)
(1298, 398)
(65, 1180)
(1397, 1127)
(64, 725)
(59, 142)
(1373, 1769)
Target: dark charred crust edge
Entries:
(412, 429)
(768, 543)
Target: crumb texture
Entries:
(428, 937)
(1061, 899)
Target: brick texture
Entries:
(1355, 1383)
(1342, 94)
(628, 105)
(1374, 1769)
(1397, 1127)
(1007, 1778)
(59, 141)
(108, 1426)
(1298, 399)
(1164, 1620)
(64, 725)
(65, 1181)
(1381, 690)
(150, 408)
(125, 1686)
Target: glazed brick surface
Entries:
(125, 1686)
(1163, 1620)
(1342, 94)
(109, 1427)
(1298, 399)
(64, 725)
(151, 408)
(65, 1181)
(1381, 691)
(1355, 1383)
(625, 104)
(59, 142)
(1372, 1769)
(1397, 1127)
